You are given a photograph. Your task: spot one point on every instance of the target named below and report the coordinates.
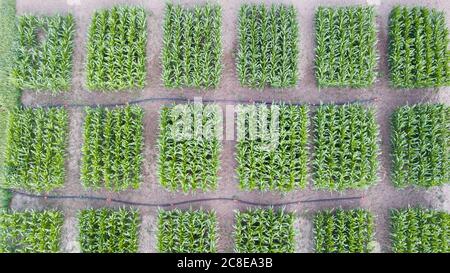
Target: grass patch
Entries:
(421, 145)
(44, 53)
(264, 231)
(37, 143)
(343, 231)
(109, 231)
(417, 230)
(30, 231)
(192, 46)
(193, 231)
(346, 147)
(346, 54)
(116, 50)
(268, 46)
(418, 48)
(112, 148)
(189, 147)
(272, 147)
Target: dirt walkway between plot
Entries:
(378, 199)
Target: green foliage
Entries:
(418, 48)
(116, 50)
(421, 145)
(418, 230)
(346, 41)
(268, 50)
(343, 231)
(112, 149)
(192, 46)
(36, 149)
(193, 231)
(30, 231)
(272, 147)
(109, 231)
(264, 231)
(189, 147)
(44, 53)
(346, 147)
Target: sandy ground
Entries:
(378, 199)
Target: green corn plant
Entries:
(419, 230)
(112, 148)
(343, 231)
(346, 147)
(36, 149)
(420, 145)
(109, 231)
(116, 50)
(418, 48)
(268, 46)
(192, 46)
(191, 231)
(346, 54)
(264, 231)
(44, 63)
(271, 147)
(189, 147)
(30, 231)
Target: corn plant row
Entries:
(109, 231)
(268, 50)
(421, 145)
(44, 63)
(343, 231)
(192, 231)
(112, 148)
(189, 147)
(418, 48)
(116, 51)
(36, 149)
(192, 46)
(272, 147)
(346, 47)
(30, 231)
(346, 147)
(418, 230)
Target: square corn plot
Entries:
(268, 46)
(192, 46)
(346, 47)
(418, 48)
(109, 231)
(112, 148)
(36, 149)
(264, 231)
(193, 231)
(346, 144)
(30, 231)
(344, 231)
(116, 50)
(418, 230)
(421, 145)
(43, 53)
(272, 152)
(189, 147)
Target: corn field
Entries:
(36, 149)
(116, 50)
(192, 46)
(272, 147)
(268, 50)
(112, 149)
(43, 53)
(421, 145)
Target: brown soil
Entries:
(378, 199)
